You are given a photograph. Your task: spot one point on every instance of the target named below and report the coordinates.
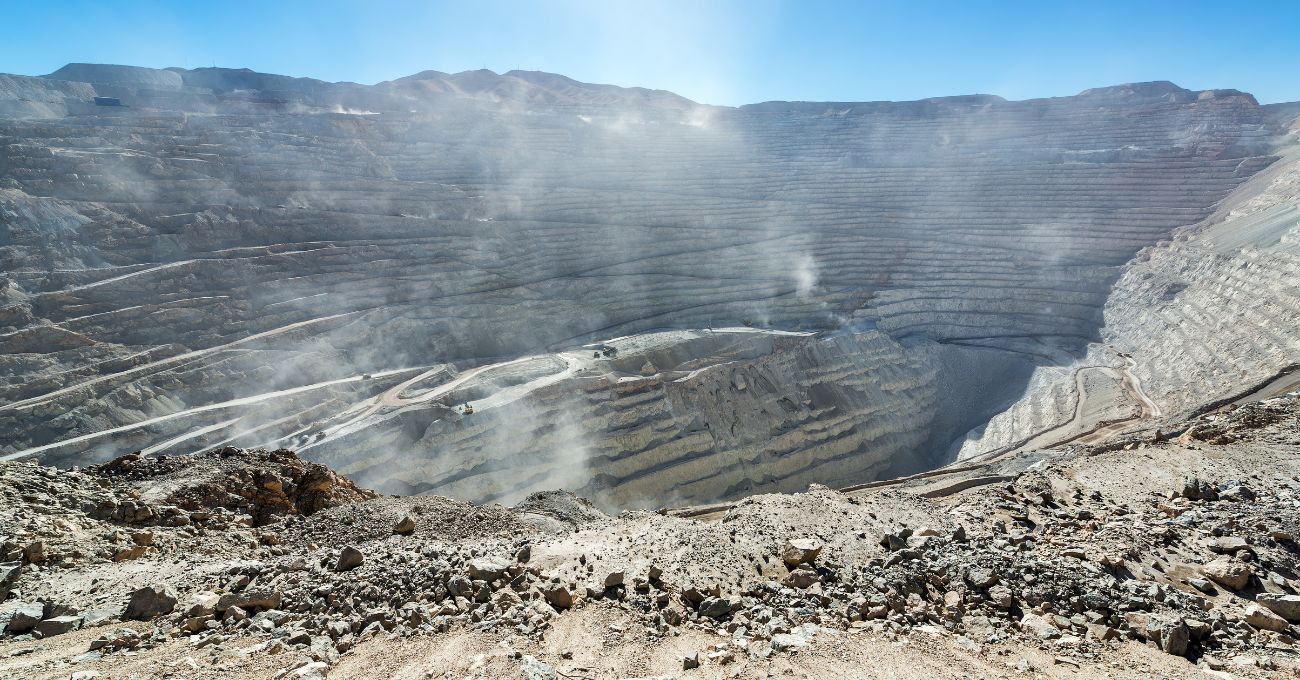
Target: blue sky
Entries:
(714, 51)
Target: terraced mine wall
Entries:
(233, 257)
(1209, 315)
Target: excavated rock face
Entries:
(247, 259)
(1201, 319)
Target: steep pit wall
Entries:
(1207, 315)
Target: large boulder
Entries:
(150, 601)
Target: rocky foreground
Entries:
(1159, 555)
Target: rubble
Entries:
(1038, 561)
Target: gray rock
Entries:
(203, 603)
(487, 568)
(981, 577)
(533, 669)
(1171, 635)
(249, 600)
(150, 601)
(25, 617)
(690, 661)
(1199, 490)
(892, 542)
(1037, 625)
(715, 607)
(1228, 545)
(782, 642)
(58, 625)
(313, 670)
(94, 617)
(1237, 492)
(459, 586)
(9, 573)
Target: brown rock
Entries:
(349, 558)
(405, 526)
(801, 578)
(1000, 596)
(557, 595)
(798, 551)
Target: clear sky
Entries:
(714, 51)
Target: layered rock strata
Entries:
(1200, 319)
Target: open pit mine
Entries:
(481, 285)
(510, 376)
